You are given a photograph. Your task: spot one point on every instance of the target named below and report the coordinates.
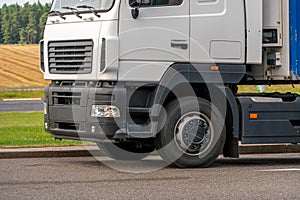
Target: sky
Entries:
(21, 2)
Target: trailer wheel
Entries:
(193, 135)
(126, 150)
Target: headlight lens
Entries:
(105, 111)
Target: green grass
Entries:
(26, 130)
(271, 89)
(8, 94)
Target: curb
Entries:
(47, 152)
(81, 151)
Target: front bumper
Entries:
(68, 112)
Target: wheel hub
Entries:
(192, 133)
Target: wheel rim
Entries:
(193, 133)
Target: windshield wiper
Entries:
(58, 13)
(73, 10)
(91, 8)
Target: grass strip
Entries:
(8, 94)
(270, 89)
(15, 94)
(26, 130)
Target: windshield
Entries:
(81, 5)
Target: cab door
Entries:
(160, 32)
(217, 31)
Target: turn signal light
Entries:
(253, 116)
(214, 68)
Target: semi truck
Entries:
(136, 76)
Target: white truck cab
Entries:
(164, 74)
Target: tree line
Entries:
(22, 24)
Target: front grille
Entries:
(66, 98)
(70, 57)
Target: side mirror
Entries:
(137, 4)
(135, 13)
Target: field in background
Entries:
(19, 66)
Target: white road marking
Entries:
(278, 170)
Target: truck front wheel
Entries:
(193, 134)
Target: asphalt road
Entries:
(21, 106)
(251, 177)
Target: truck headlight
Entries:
(105, 111)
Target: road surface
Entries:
(21, 106)
(251, 177)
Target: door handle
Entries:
(180, 44)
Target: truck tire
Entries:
(126, 150)
(193, 134)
